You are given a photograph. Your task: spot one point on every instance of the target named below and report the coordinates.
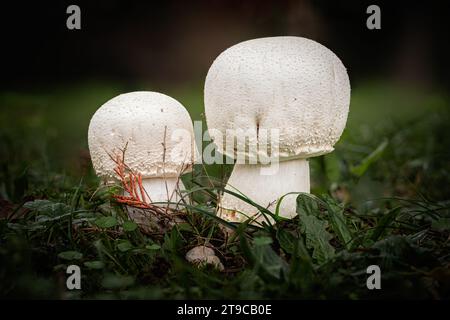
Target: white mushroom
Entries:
(157, 134)
(293, 85)
(202, 255)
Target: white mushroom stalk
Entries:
(294, 91)
(154, 135)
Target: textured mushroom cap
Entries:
(292, 84)
(142, 121)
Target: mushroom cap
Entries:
(292, 84)
(202, 255)
(155, 129)
(199, 253)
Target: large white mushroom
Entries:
(157, 133)
(291, 86)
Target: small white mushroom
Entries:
(157, 134)
(293, 85)
(202, 255)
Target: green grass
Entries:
(381, 198)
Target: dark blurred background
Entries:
(53, 80)
(176, 41)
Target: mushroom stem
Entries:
(265, 189)
(161, 190)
